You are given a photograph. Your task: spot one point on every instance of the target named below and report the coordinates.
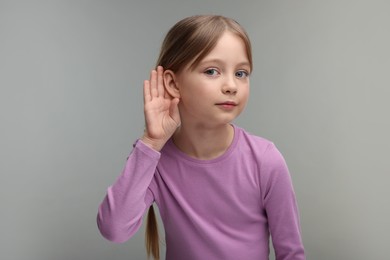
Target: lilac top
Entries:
(224, 208)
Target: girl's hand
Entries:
(161, 111)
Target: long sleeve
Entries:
(120, 214)
(281, 207)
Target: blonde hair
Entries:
(187, 43)
(192, 38)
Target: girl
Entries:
(221, 191)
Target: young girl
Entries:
(221, 191)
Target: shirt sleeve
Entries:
(281, 206)
(121, 211)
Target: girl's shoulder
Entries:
(262, 149)
(265, 155)
(256, 142)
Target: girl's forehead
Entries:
(229, 47)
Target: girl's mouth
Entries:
(227, 105)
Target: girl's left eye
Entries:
(211, 72)
(242, 74)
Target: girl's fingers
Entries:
(160, 83)
(147, 96)
(153, 84)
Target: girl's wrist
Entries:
(152, 143)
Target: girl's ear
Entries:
(170, 84)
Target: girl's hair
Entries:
(192, 38)
(187, 43)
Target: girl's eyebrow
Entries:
(219, 61)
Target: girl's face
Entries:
(217, 89)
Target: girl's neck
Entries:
(204, 143)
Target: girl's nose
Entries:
(229, 86)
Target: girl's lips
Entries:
(227, 105)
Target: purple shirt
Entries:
(224, 208)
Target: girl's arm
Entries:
(281, 207)
(120, 213)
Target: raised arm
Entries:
(121, 212)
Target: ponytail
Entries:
(151, 235)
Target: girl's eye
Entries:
(242, 74)
(211, 72)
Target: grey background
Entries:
(71, 76)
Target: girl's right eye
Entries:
(211, 72)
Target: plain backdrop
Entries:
(71, 76)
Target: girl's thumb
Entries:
(174, 110)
